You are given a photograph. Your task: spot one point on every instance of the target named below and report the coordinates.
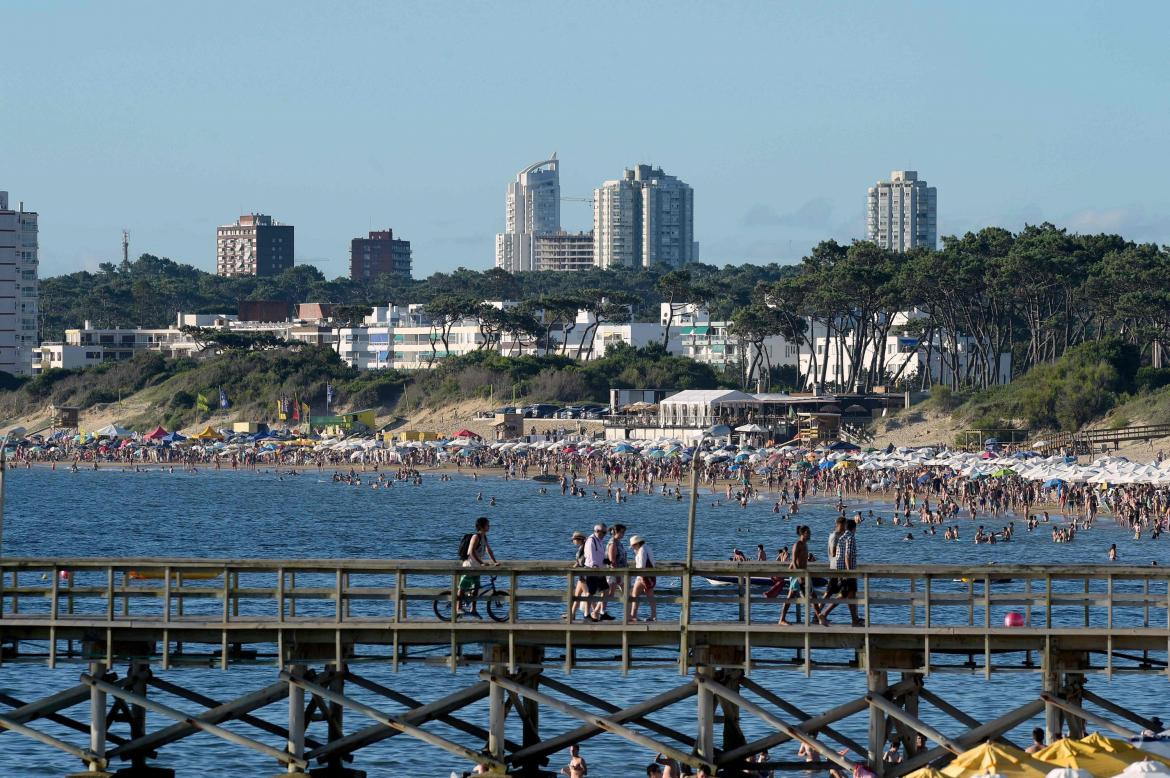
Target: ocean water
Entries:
(265, 515)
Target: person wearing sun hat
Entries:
(595, 583)
(644, 584)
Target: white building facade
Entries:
(695, 335)
(904, 356)
(19, 287)
(642, 219)
(533, 207)
(902, 213)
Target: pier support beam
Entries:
(95, 766)
(134, 715)
(1074, 692)
(705, 716)
(296, 723)
(334, 715)
(877, 681)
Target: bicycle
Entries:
(498, 604)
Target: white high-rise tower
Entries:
(19, 308)
(902, 213)
(533, 208)
(644, 218)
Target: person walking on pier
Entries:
(643, 585)
(595, 583)
(843, 556)
(616, 557)
(800, 559)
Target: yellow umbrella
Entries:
(1121, 749)
(997, 759)
(1073, 753)
(926, 772)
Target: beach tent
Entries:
(207, 434)
(465, 433)
(750, 428)
(174, 437)
(1074, 753)
(996, 758)
(113, 431)
(158, 433)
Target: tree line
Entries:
(148, 291)
(1033, 294)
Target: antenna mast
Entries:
(125, 247)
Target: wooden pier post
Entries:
(497, 716)
(1074, 687)
(334, 720)
(705, 716)
(296, 722)
(877, 681)
(97, 728)
(1053, 716)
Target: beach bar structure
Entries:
(131, 625)
(686, 415)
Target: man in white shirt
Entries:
(596, 585)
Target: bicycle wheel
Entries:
(498, 606)
(442, 605)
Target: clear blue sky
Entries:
(169, 119)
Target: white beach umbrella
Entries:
(1145, 769)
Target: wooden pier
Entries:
(320, 622)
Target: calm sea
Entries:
(223, 514)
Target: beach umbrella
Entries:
(1003, 472)
(1126, 750)
(996, 758)
(1145, 769)
(1073, 753)
(1069, 772)
(926, 772)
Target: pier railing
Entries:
(79, 607)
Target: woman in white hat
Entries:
(643, 584)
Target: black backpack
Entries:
(465, 545)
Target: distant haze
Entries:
(171, 119)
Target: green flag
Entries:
(201, 403)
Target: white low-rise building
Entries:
(694, 334)
(904, 355)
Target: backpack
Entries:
(465, 546)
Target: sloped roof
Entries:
(710, 397)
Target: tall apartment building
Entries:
(379, 254)
(644, 218)
(533, 207)
(902, 213)
(256, 245)
(19, 309)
